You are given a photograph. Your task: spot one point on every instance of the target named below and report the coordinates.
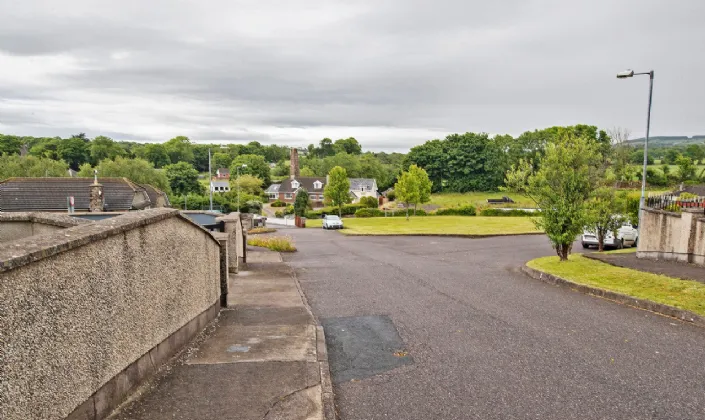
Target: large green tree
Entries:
(349, 145)
(255, 165)
(407, 190)
(301, 204)
(136, 170)
(30, 166)
(179, 149)
(74, 151)
(568, 173)
(156, 154)
(183, 178)
(337, 189)
(103, 147)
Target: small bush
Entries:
(457, 211)
(402, 213)
(279, 214)
(348, 210)
(370, 202)
(275, 243)
(259, 230)
(391, 195)
(369, 213)
(278, 203)
(507, 213)
(289, 209)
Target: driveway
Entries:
(488, 342)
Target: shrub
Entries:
(348, 210)
(391, 195)
(369, 213)
(370, 202)
(457, 211)
(687, 196)
(289, 209)
(278, 203)
(275, 243)
(507, 213)
(279, 214)
(259, 230)
(402, 213)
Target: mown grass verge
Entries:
(259, 230)
(275, 243)
(436, 225)
(683, 294)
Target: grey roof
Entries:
(356, 184)
(154, 194)
(274, 188)
(224, 171)
(49, 194)
(698, 190)
(304, 182)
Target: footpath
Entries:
(263, 358)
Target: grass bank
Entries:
(479, 199)
(683, 294)
(435, 225)
(275, 243)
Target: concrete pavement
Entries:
(265, 358)
(488, 342)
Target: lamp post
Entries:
(623, 75)
(237, 170)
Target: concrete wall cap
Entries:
(655, 211)
(54, 219)
(34, 248)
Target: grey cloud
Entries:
(236, 71)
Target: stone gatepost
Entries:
(232, 226)
(223, 239)
(97, 200)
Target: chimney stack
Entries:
(294, 169)
(97, 200)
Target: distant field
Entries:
(479, 199)
(435, 225)
(673, 168)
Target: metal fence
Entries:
(675, 203)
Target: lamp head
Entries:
(624, 74)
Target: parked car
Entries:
(627, 236)
(332, 222)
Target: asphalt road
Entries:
(489, 342)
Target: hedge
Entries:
(457, 211)
(348, 210)
(507, 213)
(369, 213)
(278, 203)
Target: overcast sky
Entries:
(391, 73)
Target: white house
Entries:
(220, 185)
(363, 187)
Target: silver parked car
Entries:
(332, 222)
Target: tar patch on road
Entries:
(363, 346)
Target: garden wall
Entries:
(90, 311)
(672, 236)
(14, 226)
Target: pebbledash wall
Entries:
(672, 236)
(88, 312)
(14, 226)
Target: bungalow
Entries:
(287, 189)
(220, 185)
(222, 173)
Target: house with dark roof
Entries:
(52, 194)
(222, 173)
(287, 189)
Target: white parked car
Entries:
(627, 235)
(332, 222)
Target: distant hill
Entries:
(669, 141)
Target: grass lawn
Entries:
(479, 199)
(684, 294)
(434, 225)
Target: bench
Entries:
(502, 200)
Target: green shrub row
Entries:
(506, 213)
(369, 213)
(348, 210)
(457, 211)
(278, 203)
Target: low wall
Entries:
(88, 312)
(14, 226)
(672, 236)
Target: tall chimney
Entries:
(294, 169)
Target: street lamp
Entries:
(623, 75)
(237, 170)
